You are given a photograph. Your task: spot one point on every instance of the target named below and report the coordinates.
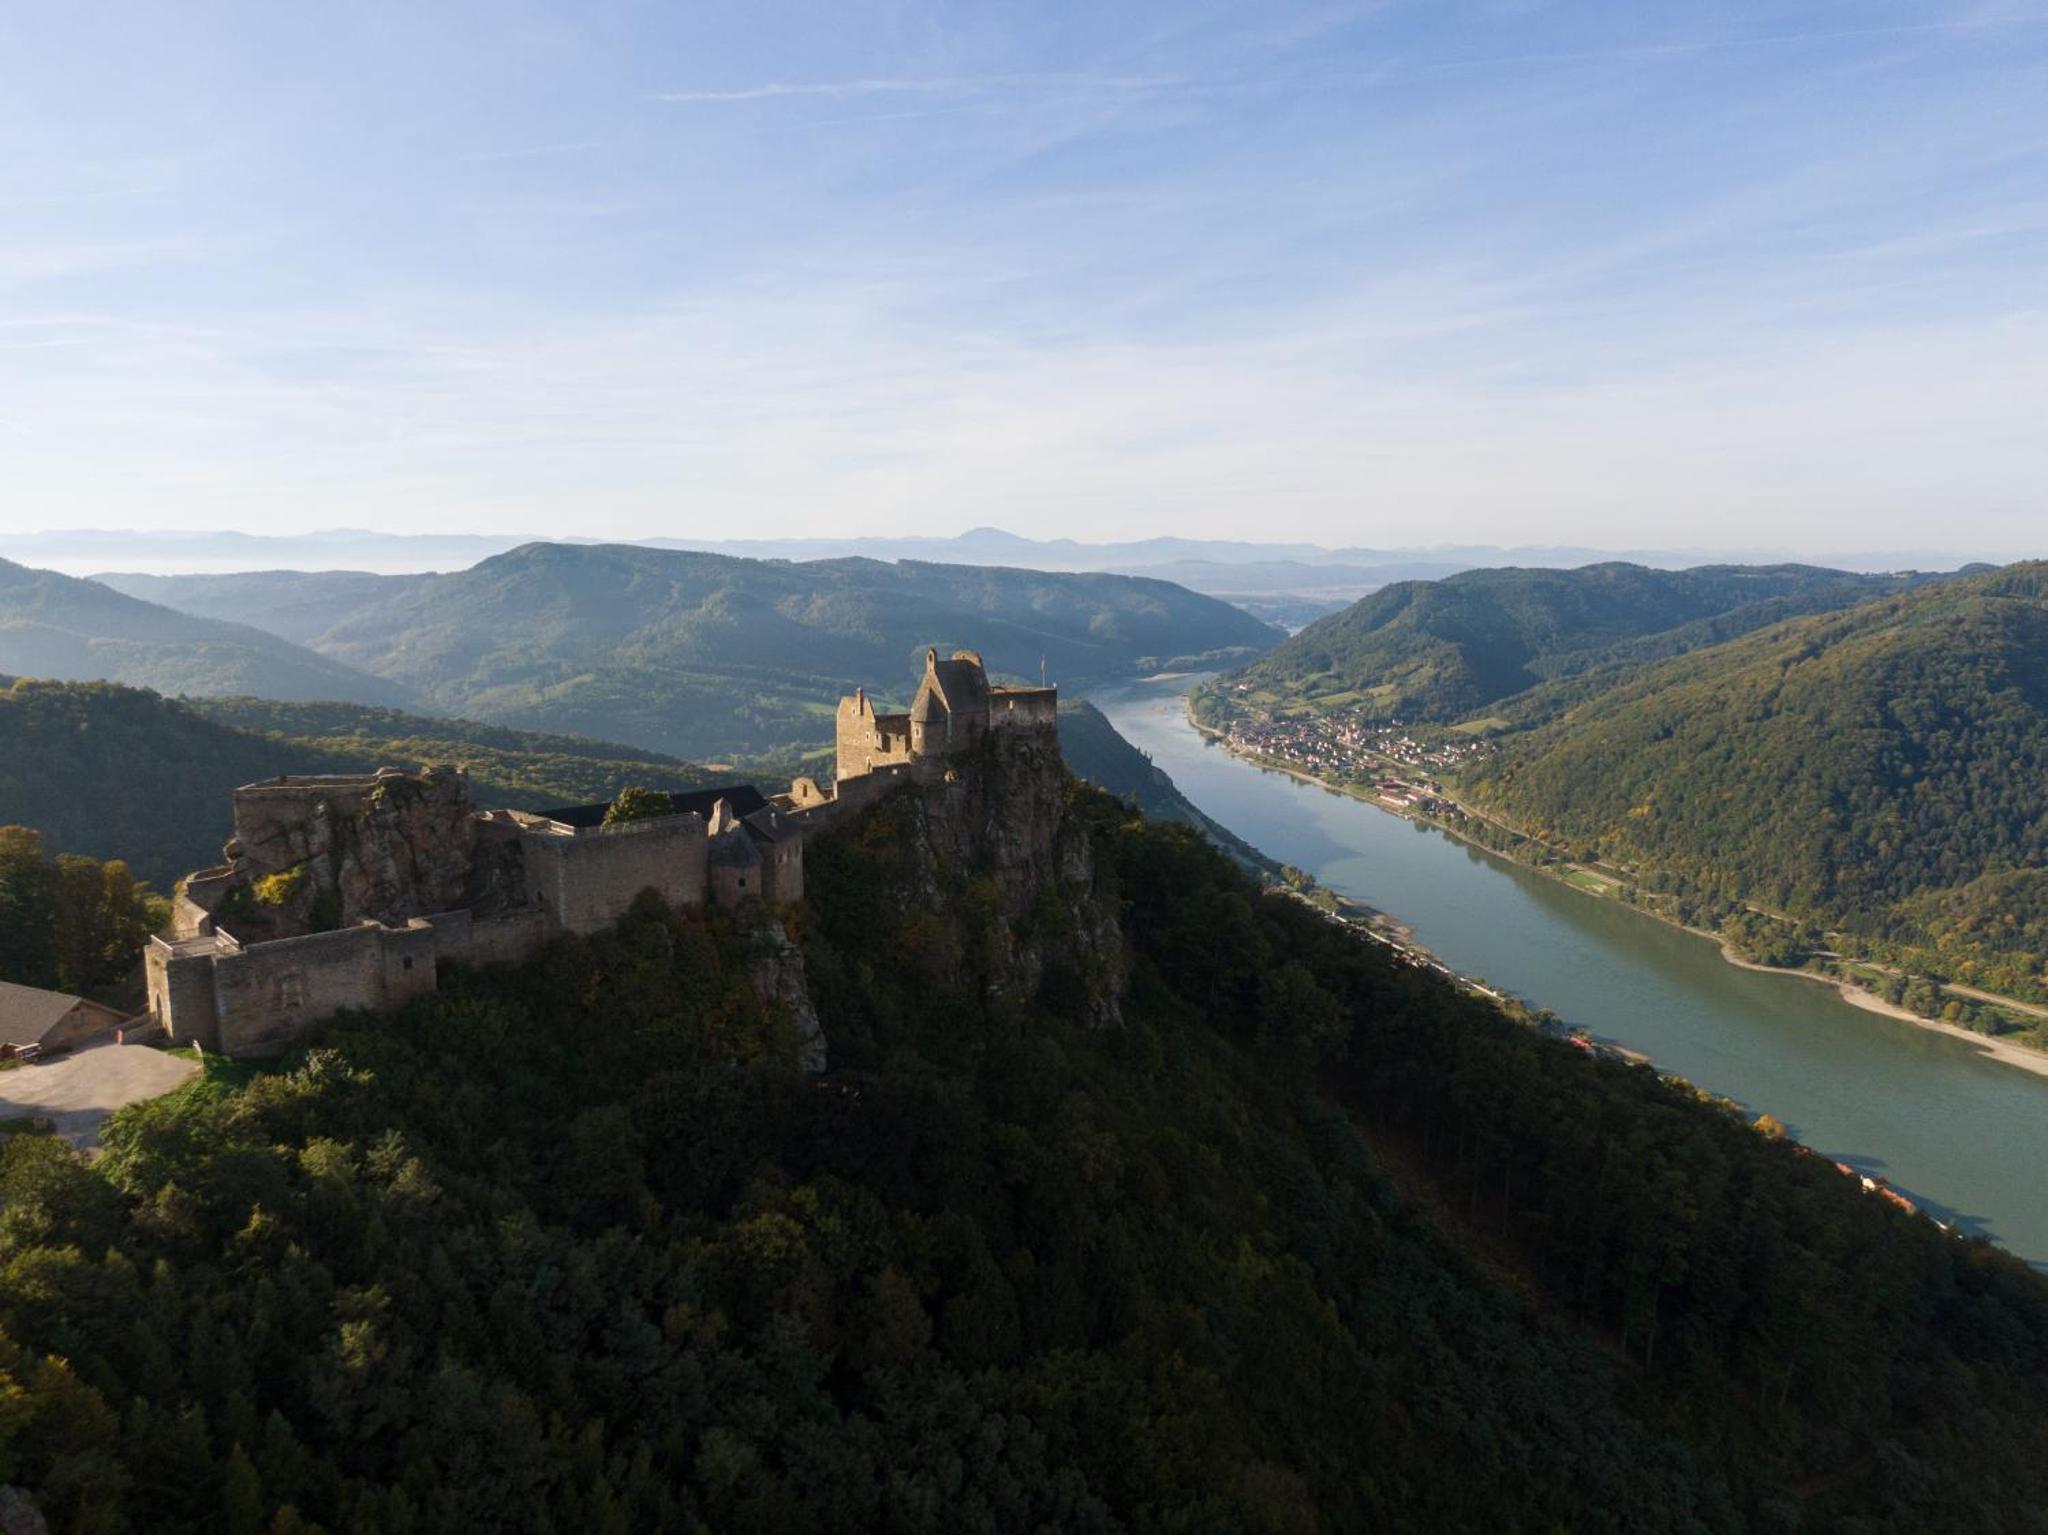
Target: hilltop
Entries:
(74, 630)
(1443, 650)
(118, 772)
(1882, 771)
(710, 656)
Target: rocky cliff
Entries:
(314, 857)
(982, 870)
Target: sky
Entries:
(1394, 274)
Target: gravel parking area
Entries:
(78, 1091)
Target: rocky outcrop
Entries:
(999, 815)
(780, 982)
(313, 856)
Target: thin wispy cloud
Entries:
(954, 86)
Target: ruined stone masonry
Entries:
(353, 891)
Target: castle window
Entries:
(291, 991)
(408, 962)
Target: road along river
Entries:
(1963, 1136)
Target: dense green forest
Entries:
(112, 771)
(70, 923)
(1309, 1241)
(1442, 650)
(1881, 773)
(61, 627)
(705, 655)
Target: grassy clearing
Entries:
(1587, 879)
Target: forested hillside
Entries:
(1442, 650)
(299, 605)
(1096, 754)
(1883, 770)
(1308, 1241)
(709, 656)
(117, 772)
(72, 630)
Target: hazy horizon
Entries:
(1372, 274)
(97, 551)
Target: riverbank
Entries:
(2005, 1052)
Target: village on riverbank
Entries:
(1405, 769)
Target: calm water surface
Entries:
(1965, 1137)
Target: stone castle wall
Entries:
(416, 878)
(1024, 709)
(255, 1001)
(587, 879)
(868, 741)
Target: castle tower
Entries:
(951, 710)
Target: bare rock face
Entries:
(1000, 815)
(780, 981)
(317, 856)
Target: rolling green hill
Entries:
(1882, 770)
(61, 627)
(710, 656)
(1442, 650)
(116, 772)
(298, 605)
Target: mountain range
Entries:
(69, 629)
(705, 655)
(87, 550)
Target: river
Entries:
(1963, 1136)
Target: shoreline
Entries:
(2002, 1051)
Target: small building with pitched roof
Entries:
(55, 1020)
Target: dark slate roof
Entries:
(770, 825)
(27, 1013)
(744, 798)
(964, 683)
(735, 847)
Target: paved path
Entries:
(78, 1091)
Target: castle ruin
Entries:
(354, 891)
